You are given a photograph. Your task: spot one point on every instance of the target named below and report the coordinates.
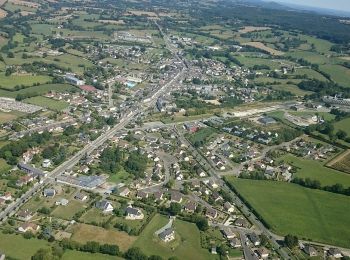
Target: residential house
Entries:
(335, 252)
(254, 239)
(142, 195)
(105, 206)
(133, 213)
(2, 256)
(24, 180)
(7, 196)
(167, 235)
(81, 196)
(49, 193)
(24, 215)
(227, 232)
(124, 191)
(176, 197)
(263, 253)
(228, 207)
(235, 242)
(158, 195)
(27, 226)
(310, 250)
(211, 213)
(190, 206)
(62, 202)
(241, 222)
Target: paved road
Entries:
(149, 102)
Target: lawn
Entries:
(338, 73)
(94, 215)
(9, 244)
(77, 255)
(47, 103)
(289, 208)
(4, 167)
(83, 233)
(67, 212)
(186, 245)
(9, 82)
(343, 125)
(316, 171)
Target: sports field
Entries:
(289, 208)
(185, 246)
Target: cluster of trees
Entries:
(327, 128)
(15, 149)
(57, 153)
(291, 241)
(91, 246)
(111, 159)
(136, 164)
(323, 88)
(315, 184)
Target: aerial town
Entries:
(184, 130)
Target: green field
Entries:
(289, 208)
(316, 171)
(311, 74)
(28, 247)
(201, 136)
(292, 89)
(9, 116)
(185, 246)
(47, 103)
(39, 90)
(9, 82)
(4, 167)
(309, 56)
(338, 73)
(67, 212)
(343, 125)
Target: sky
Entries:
(342, 5)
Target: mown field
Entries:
(28, 247)
(315, 170)
(77, 255)
(289, 208)
(38, 90)
(343, 125)
(9, 82)
(9, 116)
(47, 103)
(185, 246)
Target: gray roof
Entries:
(133, 211)
(167, 232)
(31, 170)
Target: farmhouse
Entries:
(167, 235)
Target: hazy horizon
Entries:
(340, 5)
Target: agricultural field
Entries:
(185, 246)
(306, 213)
(341, 162)
(47, 103)
(317, 171)
(202, 136)
(309, 56)
(338, 73)
(292, 89)
(343, 125)
(83, 233)
(9, 82)
(263, 47)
